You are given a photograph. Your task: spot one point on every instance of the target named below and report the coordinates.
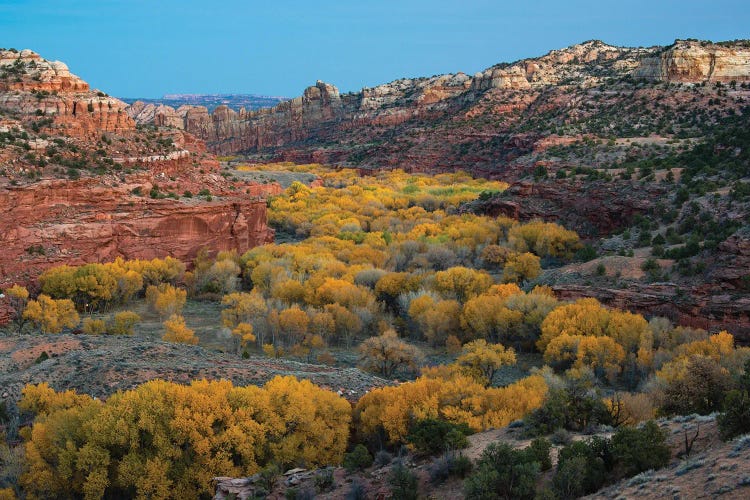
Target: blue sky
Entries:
(145, 48)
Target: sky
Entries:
(147, 48)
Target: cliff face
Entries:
(31, 85)
(65, 222)
(316, 124)
(697, 62)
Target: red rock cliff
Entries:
(64, 222)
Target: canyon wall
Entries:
(32, 85)
(322, 115)
(74, 222)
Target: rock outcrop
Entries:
(32, 85)
(591, 208)
(696, 62)
(74, 222)
(80, 183)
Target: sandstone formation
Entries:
(696, 62)
(73, 222)
(31, 85)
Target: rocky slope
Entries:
(352, 128)
(714, 469)
(79, 182)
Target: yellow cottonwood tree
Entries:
(242, 308)
(385, 353)
(176, 331)
(482, 360)
(166, 299)
(51, 315)
(520, 267)
(242, 335)
(458, 399)
(18, 297)
(293, 324)
(461, 282)
(486, 317)
(163, 440)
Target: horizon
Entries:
(141, 49)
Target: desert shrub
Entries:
(93, 326)
(359, 458)
(700, 388)
(430, 436)
(269, 475)
(383, 458)
(640, 449)
(583, 467)
(324, 480)
(356, 491)
(561, 437)
(574, 407)
(538, 451)
(403, 482)
(448, 465)
(305, 493)
(122, 323)
(502, 472)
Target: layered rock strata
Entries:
(74, 222)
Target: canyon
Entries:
(568, 115)
(590, 106)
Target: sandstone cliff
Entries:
(32, 85)
(323, 124)
(73, 222)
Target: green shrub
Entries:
(356, 491)
(432, 436)
(358, 459)
(324, 480)
(403, 483)
(573, 408)
(640, 449)
(583, 467)
(538, 451)
(383, 458)
(502, 472)
(735, 419)
(449, 465)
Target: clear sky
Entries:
(146, 48)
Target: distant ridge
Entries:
(212, 101)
